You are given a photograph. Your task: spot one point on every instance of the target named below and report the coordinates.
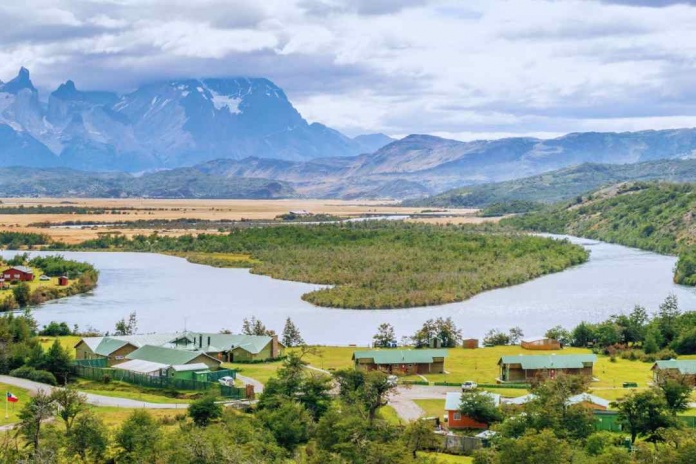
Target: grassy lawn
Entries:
(447, 458)
(261, 371)
(12, 408)
(432, 408)
(332, 357)
(124, 390)
(68, 342)
(389, 414)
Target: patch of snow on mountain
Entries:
(226, 101)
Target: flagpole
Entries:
(7, 416)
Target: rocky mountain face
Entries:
(162, 125)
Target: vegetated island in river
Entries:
(33, 281)
(659, 217)
(371, 264)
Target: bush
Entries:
(55, 329)
(204, 410)
(666, 354)
(26, 372)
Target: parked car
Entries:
(392, 380)
(227, 381)
(469, 385)
(44, 277)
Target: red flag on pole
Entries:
(11, 398)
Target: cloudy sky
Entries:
(461, 69)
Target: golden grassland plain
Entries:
(148, 209)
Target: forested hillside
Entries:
(659, 217)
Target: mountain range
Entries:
(165, 124)
(222, 130)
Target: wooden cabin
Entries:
(675, 368)
(540, 343)
(524, 368)
(457, 420)
(18, 274)
(403, 362)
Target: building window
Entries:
(457, 416)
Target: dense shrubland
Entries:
(656, 217)
(377, 264)
(638, 335)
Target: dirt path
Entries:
(95, 400)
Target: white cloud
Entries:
(441, 66)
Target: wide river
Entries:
(170, 294)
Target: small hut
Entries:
(62, 281)
(470, 343)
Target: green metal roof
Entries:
(108, 345)
(687, 367)
(226, 342)
(104, 346)
(400, 356)
(554, 361)
(169, 356)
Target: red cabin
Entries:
(18, 273)
(62, 281)
(457, 420)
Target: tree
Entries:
(495, 337)
(22, 294)
(88, 438)
(668, 319)
(438, 332)
(291, 334)
(607, 333)
(676, 392)
(290, 423)
(560, 334)
(70, 404)
(583, 334)
(653, 340)
(447, 332)
(419, 436)
(637, 324)
(369, 390)
(425, 335)
(57, 361)
(129, 327)
(643, 413)
(254, 326)
(204, 410)
(481, 407)
(686, 343)
(294, 382)
(139, 437)
(516, 335)
(39, 408)
(385, 336)
(534, 448)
